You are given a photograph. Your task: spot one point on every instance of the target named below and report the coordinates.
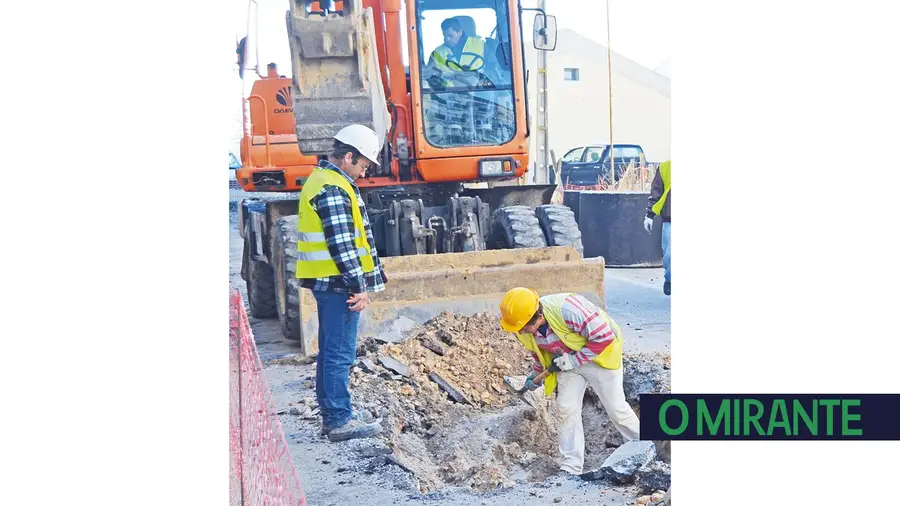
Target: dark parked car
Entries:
(589, 165)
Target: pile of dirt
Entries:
(471, 353)
(450, 419)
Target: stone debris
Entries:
(622, 465)
(656, 475)
(295, 359)
(367, 366)
(452, 392)
(398, 331)
(368, 346)
(430, 344)
(646, 373)
(393, 460)
(395, 365)
(369, 448)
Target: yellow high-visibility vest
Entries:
(313, 258)
(609, 358)
(665, 172)
(472, 57)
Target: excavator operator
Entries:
(460, 52)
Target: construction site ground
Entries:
(496, 449)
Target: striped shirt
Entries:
(333, 206)
(583, 317)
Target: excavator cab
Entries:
(467, 73)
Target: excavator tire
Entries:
(515, 227)
(287, 286)
(560, 228)
(261, 289)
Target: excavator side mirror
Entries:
(544, 32)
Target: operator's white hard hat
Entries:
(363, 138)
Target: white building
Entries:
(578, 100)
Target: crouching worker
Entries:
(586, 345)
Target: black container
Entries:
(612, 226)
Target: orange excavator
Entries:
(452, 222)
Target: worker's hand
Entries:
(530, 384)
(648, 224)
(566, 362)
(358, 301)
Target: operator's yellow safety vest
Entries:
(609, 358)
(665, 172)
(468, 61)
(313, 257)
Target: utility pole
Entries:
(612, 158)
(542, 158)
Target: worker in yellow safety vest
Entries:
(460, 52)
(660, 204)
(586, 345)
(337, 261)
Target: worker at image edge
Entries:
(659, 204)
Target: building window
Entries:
(571, 74)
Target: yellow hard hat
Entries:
(517, 307)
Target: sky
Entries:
(639, 31)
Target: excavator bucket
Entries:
(337, 81)
(422, 286)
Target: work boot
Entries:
(354, 429)
(363, 416)
(667, 288)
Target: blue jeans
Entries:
(667, 249)
(337, 352)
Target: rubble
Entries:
(366, 347)
(452, 392)
(398, 331)
(367, 366)
(450, 420)
(622, 465)
(477, 353)
(646, 373)
(433, 345)
(656, 475)
(295, 359)
(658, 498)
(394, 365)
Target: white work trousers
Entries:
(607, 383)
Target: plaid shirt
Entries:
(332, 205)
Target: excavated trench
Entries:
(450, 420)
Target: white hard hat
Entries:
(363, 139)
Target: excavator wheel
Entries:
(260, 289)
(515, 227)
(560, 228)
(287, 286)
